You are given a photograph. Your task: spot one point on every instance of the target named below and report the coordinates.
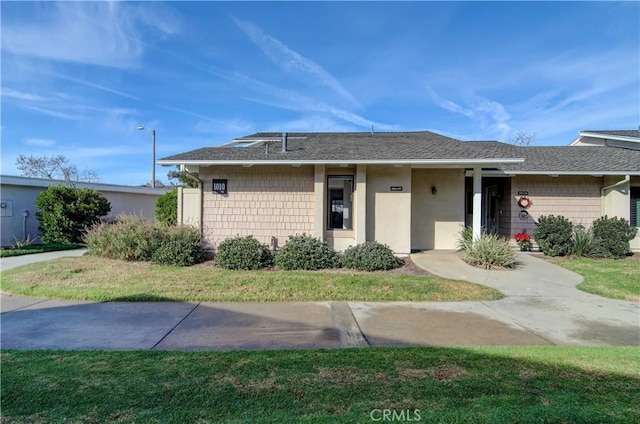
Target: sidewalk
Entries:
(542, 307)
(16, 261)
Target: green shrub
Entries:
(167, 208)
(306, 252)
(582, 242)
(129, 238)
(370, 256)
(490, 251)
(178, 246)
(611, 237)
(554, 235)
(243, 253)
(66, 212)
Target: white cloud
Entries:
(490, 115)
(97, 33)
(21, 95)
(39, 142)
(291, 61)
(54, 113)
(290, 100)
(449, 105)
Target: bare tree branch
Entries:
(523, 138)
(54, 167)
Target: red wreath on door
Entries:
(525, 202)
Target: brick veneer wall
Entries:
(577, 198)
(263, 201)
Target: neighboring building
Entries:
(18, 198)
(410, 190)
(627, 139)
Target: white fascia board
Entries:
(598, 173)
(609, 137)
(44, 182)
(460, 162)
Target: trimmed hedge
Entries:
(177, 246)
(243, 253)
(370, 256)
(307, 253)
(554, 235)
(611, 237)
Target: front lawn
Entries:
(548, 384)
(617, 279)
(100, 279)
(38, 248)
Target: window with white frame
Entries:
(635, 207)
(339, 202)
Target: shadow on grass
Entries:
(143, 297)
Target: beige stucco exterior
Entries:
(389, 212)
(391, 204)
(437, 219)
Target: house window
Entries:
(635, 207)
(339, 202)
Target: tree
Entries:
(167, 208)
(185, 179)
(523, 138)
(65, 212)
(54, 167)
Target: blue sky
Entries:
(79, 77)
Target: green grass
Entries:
(617, 279)
(100, 279)
(38, 248)
(548, 384)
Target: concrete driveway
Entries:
(542, 307)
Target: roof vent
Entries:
(285, 136)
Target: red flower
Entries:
(522, 237)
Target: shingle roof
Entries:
(619, 133)
(576, 159)
(423, 145)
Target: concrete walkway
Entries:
(542, 307)
(543, 298)
(16, 261)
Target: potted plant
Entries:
(524, 241)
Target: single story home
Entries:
(411, 190)
(18, 203)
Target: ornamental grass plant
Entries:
(490, 251)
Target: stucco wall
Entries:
(635, 243)
(389, 212)
(577, 198)
(263, 201)
(22, 197)
(616, 200)
(436, 219)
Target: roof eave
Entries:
(605, 137)
(592, 173)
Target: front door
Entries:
(491, 209)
